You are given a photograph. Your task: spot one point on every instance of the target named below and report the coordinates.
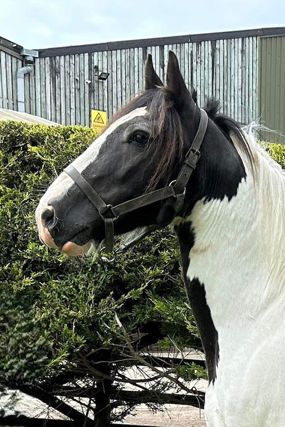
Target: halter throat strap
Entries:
(176, 189)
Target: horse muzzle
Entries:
(60, 228)
(47, 223)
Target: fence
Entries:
(65, 87)
(56, 399)
(65, 83)
(10, 61)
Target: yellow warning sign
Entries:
(98, 120)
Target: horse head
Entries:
(109, 188)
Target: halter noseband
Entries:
(176, 189)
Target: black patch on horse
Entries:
(197, 298)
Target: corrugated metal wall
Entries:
(64, 88)
(272, 87)
(9, 66)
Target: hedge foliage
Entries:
(276, 151)
(55, 310)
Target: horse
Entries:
(162, 160)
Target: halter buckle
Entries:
(192, 158)
(195, 151)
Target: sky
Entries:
(36, 24)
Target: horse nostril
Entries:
(47, 215)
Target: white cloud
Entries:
(42, 30)
(41, 23)
(102, 19)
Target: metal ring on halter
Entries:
(172, 183)
(103, 258)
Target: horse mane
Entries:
(229, 127)
(167, 133)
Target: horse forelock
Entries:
(166, 134)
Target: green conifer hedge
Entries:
(59, 316)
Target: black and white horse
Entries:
(163, 160)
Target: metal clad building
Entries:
(272, 86)
(238, 68)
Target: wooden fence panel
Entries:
(64, 85)
(9, 66)
(226, 69)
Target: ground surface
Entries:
(174, 416)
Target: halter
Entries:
(176, 189)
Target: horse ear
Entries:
(175, 82)
(151, 78)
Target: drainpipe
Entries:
(21, 86)
(29, 56)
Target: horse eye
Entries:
(140, 137)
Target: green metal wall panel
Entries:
(272, 87)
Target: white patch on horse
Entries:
(241, 243)
(89, 155)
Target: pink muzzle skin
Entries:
(69, 248)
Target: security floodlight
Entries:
(103, 76)
(100, 75)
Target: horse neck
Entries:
(239, 244)
(233, 265)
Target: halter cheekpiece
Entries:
(176, 189)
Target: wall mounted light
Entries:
(100, 75)
(103, 75)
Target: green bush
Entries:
(276, 151)
(56, 312)
(30, 156)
